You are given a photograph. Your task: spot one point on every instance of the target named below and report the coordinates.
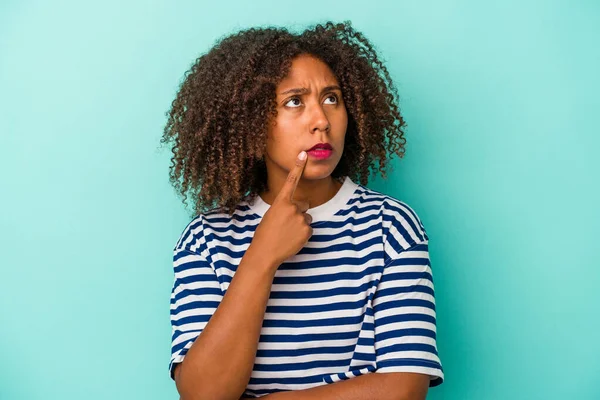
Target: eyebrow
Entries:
(305, 90)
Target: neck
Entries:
(316, 192)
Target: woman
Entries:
(293, 281)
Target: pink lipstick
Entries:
(320, 151)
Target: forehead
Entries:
(308, 70)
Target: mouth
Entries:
(320, 151)
(321, 146)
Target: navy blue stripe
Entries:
(406, 332)
(334, 248)
(313, 294)
(195, 304)
(405, 303)
(407, 289)
(186, 280)
(404, 318)
(181, 345)
(192, 319)
(322, 278)
(304, 352)
(287, 381)
(301, 366)
(198, 292)
(308, 337)
(284, 323)
(408, 220)
(306, 309)
(403, 362)
(406, 347)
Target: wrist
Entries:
(261, 259)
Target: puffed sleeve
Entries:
(404, 301)
(195, 296)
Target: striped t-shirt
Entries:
(358, 298)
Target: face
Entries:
(310, 110)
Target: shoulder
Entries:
(402, 226)
(193, 234)
(212, 223)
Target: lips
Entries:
(320, 152)
(321, 146)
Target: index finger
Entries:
(287, 191)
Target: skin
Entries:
(374, 386)
(317, 115)
(302, 121)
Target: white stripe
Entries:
(421, 355)
(294, 270)
(306, 345)
(379, 329)
(405, 310)
(303, 358)
(409, 339)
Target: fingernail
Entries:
(302, 155)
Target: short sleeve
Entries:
(404, 301)
(195, 297)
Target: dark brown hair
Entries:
(218, 122)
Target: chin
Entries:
(317, 173)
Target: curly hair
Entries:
(218, 121)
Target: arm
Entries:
(219, 363)
(385, 386)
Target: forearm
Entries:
(373, 386)
(219, 363)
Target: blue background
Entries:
(501, 100)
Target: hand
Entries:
(285, 227)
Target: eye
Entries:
(333, 96)
(293, 98)
(298, 99)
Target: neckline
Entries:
(320, 213)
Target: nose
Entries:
(319, 121)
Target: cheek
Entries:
(342, 121)
(284, 138)
(285, 127)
